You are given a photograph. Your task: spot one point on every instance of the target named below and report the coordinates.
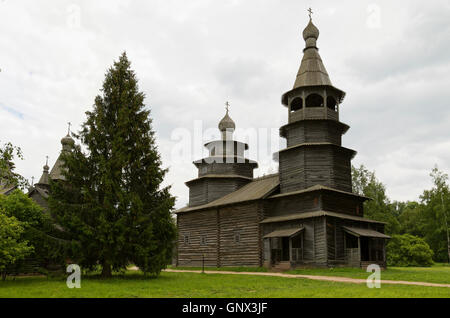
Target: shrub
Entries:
(408, 250)
(12, 247)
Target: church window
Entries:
(186, 239)
(237, 238)
(331, 103)
(203, 240)
(314, 100)
(296, 104)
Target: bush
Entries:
(12, 247)
(408, 250)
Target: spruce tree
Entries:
(111, 201)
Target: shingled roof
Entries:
(257, 189)
(312, 71)
(57, 171)
(7, 189)
(318, 187)
(307, 215)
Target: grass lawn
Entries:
(435, 274)
(192, 285)
(439, 273)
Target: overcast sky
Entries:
(391, 57)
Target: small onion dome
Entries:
(227, 123)
(46, 168)
(67, 142)
(310, 31)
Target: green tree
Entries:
(24, 209)
(379, 208)
(411, 218)
(38, 229)
(408, 250)
(7, 175)
(12, 247)
(112, 201)
(435, 217)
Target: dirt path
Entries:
(314, 277)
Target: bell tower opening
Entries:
(331, 103)
(314, 100)
(296, 104)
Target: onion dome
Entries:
(227, 123)
(311, 31)
(227, 126)
(44, 180)
(67, 142)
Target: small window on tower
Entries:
(186, 239)
(296, 104)
(314, 100)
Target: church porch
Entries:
(364, 247)
(284, 248)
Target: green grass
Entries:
(192, 285)
(435, 274)
(439, 273)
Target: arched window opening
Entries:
(296, 104)
(331, 103)
(314, 100)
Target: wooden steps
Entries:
(282, 266)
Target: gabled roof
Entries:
(307, 215)
(285, 233)
(7, 189)
(257, 189)
(56, 172)
(364, 232)
(41, 191)
(317, 187)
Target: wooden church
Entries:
(305, 215)
(39, 191)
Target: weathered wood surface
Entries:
(241, 169)
(221, 227)
(304, 167)
(313, 131)
(207, 190)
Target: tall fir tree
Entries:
(111, 201)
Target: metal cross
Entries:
(46, 162)
(68, 130)
(227, 106)
(310, 12)
(32, 181)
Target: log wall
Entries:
(304, 167)
(221, 227)
(195, 225)
(313, 131)
(207, 190)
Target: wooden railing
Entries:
(313, 113)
